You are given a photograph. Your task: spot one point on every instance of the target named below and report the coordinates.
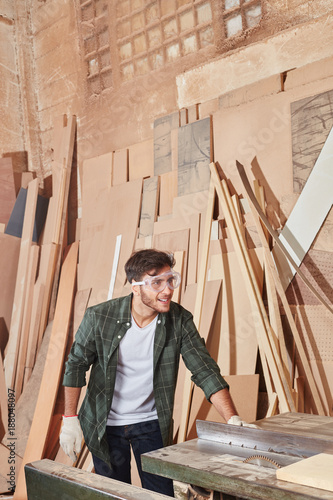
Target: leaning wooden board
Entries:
(52, 369)
(314, 471)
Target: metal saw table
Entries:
(215, 460)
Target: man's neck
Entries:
(142, 315)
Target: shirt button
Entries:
(128, 324)
(159, 321)
(117, 320)
(119, 336)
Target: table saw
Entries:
(242, 461)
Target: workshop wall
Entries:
(114, 64)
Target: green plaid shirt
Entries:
(96, 345)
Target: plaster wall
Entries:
(56, 74)
(11, 132)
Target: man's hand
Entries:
(71, 436)
(236, 420)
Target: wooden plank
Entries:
(172, 242)
(20, 287)
(179, 267)
(7, 189)
(264, 328)
(52, 369)
(141, 160)
(210, 299)
(9, 257)
(120, 167)
(31, 277)
(188, 384)
(95, 189)
(149, 206)
(36, 313)
(168, 191)
(238, 348)
(56, 222)
(177, 224)
(279, 287)
(48, 260)
(315, 471)
(96, 174)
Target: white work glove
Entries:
(236, 420)
(71, 436)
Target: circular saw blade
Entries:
(262, 461)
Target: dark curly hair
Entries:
(142, 261)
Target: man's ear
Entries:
(135, 289)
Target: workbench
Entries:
(215, 460)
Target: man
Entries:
(133, 345)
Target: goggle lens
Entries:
(160, 282)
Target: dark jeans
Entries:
(143, 437)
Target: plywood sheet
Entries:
(9, 256)
(7, 189)
(141, 160)
(120, 167)
(168, 192)
(315, 471)
(187, 205)
(194, 156)
(163, 143)
(317, 267)
(244, 393)
(172, 242)
(311, 121)
(149, 206)
(238, 345)
(120, 214)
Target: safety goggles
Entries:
(159, 282)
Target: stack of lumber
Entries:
(165, 193)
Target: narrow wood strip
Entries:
(36, 311)
(179, 267)
(31, 277)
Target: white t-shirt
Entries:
(133, 399)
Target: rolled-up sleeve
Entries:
(82, 353)
(205, 371)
